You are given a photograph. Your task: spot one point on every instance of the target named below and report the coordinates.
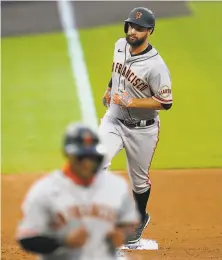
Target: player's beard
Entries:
(137, 42)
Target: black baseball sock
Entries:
(141, 202)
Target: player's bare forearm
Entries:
(125, 100)
(146, 103)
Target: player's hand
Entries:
(107, 97)
(76, 238)
(116, 237)
(123, 99)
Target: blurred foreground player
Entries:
(78, 212)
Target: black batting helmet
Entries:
(81, 141)
(140, 16)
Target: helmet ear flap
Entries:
(126, 27)
(152, 31)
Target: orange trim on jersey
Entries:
(70, 174)
(162, 100)
(26, 233)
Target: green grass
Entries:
(38, 100)
(192, 47)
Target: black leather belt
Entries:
(141, 123)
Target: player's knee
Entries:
(141, 188)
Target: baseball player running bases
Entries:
(140, 86)
(73, 213)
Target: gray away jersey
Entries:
(55, 203)
(142, 76)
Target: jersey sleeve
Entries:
(35, 216)
(128, 212)
(160, 84)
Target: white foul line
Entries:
(79, 70)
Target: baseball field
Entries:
(39, 98)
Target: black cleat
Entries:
(139, 230)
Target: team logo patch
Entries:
(164, 91)
(87, 139)
(138, 15)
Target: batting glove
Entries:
(122, 99)
(107, 97)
